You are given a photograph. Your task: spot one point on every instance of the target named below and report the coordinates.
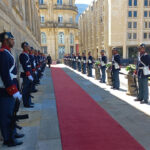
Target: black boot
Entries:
(11, 143)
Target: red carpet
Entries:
(84, 125)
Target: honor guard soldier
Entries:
(74, 62)
(26, 75)
(37, 65)
(70, 60)
(8, 90)
(33, 67)
(83, 63)
(79, 62)
(116, 65)
(43, 62)
(143, 72)
(103, 62)
(90, 64)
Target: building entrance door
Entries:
(61, 52)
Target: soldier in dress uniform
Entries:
(33, 67)
(39, 64)
(143, 71)
(103, 62)
(79, 62)
(70, 60)
(116, 66)
(26, 75)
(74, 62)
(43, 62)
(90, 64)
(83, 63)
(9, 90)
(36, 66)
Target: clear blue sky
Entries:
(83, 1)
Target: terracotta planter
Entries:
(97, 73)
(132, 85)
(109, 77)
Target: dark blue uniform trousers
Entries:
(79, 66)
(115, 78)
(90, 70)
(103, 70)
(74, 65)
(84, 68)
(6, 111)
(27, 86)
(143, 88)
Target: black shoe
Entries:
(144, 102)
(137, 100)
(28, 106)
(11, 143)
(19, 135)
(32, 103)
(34, 91)
(112, 88)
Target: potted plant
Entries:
(97, 70)
(132, 80)
(109, 73)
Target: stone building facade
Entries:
(22, 19)
(59, 30)
(115, 23)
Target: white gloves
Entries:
(30, 78)
(17, 96)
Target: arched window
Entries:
(71, 38)
(61, 39)
(41, 2)
(43, 38)
(59, 2)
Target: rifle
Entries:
(15, 118)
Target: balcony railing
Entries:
(65, 7)
(43, 6)
(59, 25)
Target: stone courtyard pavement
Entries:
(42, 129)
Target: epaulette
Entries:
(2, 49)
